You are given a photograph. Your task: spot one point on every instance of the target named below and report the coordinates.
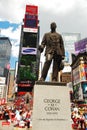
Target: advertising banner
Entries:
(84, 87)
(30, 23)
(78, 91)
(81, 46)
(30, 39)
(28, 50)
(76, 75)
(28, 65)
(83, 72)
(31, 17)
(31, 9)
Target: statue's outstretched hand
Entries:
(40, 49)
(63, 57)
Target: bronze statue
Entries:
(54, 51)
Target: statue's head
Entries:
(53, 25)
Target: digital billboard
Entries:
(27, 59)
(84, 87)
(28, 50)
(28, 72)
(76, 75)
(81, 46)
(28, 68)
(78, 92)
(28, 16)
(30, 39)
(83, 72)
(28, 62)
(30, 23)
(32, 9)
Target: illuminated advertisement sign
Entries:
(81, 46)
(76, 75)
(30, 23)
(30, 39)
(27, 59)
(28, 68)
(28, 73)
(25, 89)
(31, 17)
(28, 65)
(84, 87)
(79, 73)
(31, 51)
(25, 29)
(78, 91)
(83, 72)
(31, 9)
(28, 16)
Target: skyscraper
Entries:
(5, 52)
(69, 43)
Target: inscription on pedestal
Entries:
(51, 109)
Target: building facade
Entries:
(5, 53)
(69, 44)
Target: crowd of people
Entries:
(20, 116)
(79, 117)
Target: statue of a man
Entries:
(54, 50)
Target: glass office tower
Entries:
(5, 53)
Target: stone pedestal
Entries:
(51, 108)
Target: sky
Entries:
(69, 15)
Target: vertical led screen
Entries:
(28, 69)
(28, 61)
(84, 87)
(81, 46)
(78, 92)
(83, 72)
(30, 39)
(31, 23)
(31, 9)
(31, 17)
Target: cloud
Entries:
(10, 33)
(70, 16)
(14, 11)
(11, 10)
(14, 36)
(15, 51)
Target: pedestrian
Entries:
(54, 50)
(6, 114)
(28, 119)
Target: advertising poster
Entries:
(83, 72)
(76, 75)
(84, 87)
(81, 46)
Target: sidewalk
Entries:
(11, 127)
(5, 127)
